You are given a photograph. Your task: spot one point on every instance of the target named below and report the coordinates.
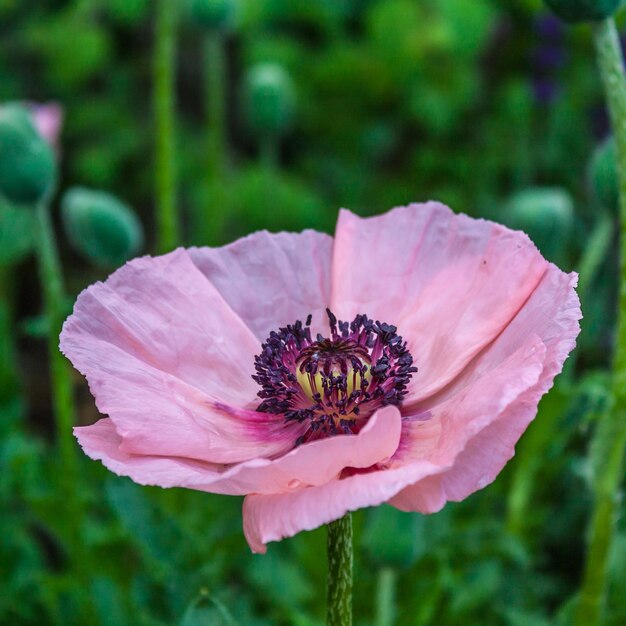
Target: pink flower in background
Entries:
(48, 119)
(229, 370)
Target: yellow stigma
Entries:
(313, 384)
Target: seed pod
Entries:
(101, 227)
(214, 15)
(583, 10)
(269, 100)
(27, 163)
(603, 175)
(546, 215)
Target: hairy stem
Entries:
(610, 438)
(167, 221)
(339, 591)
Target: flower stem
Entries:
(269, 152)
(60, 373)
(10, 405)
(168, 234)
(610, 438)
(51, 278)
(339, 591)
(215, 67)
(209, 222)
(595, 252)
(529, 458)
(385, 596)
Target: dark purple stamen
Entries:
(333, 384)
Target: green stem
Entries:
(529, 458)
(269, 152)
(51, 278)
(385, 597)
(168, 233)
(60, 373)
(610, 438)
(595, 252)
(339, 590)
(215, 67)
(210, 215)
(10, 405)
(269, 157)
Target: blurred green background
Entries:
(492, 107)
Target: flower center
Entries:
(333, 384)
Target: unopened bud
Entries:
(583, 10)
(269, 100)
(546, 215)
(216, 15)
(27, 162)
(100, 226)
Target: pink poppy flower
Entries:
(221, 370)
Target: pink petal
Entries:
(271, 280)
(449, 283)
(165, 358)
(48, 119)
(425, 496)
(477, 440)
(273, 517)
(313, 463)
(462, 417)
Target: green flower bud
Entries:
(269, 100)
(546, 215)
(101, 227)
(19, 115)
(603, 175)
(216, 15)
(27, 162)
(583, 10)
